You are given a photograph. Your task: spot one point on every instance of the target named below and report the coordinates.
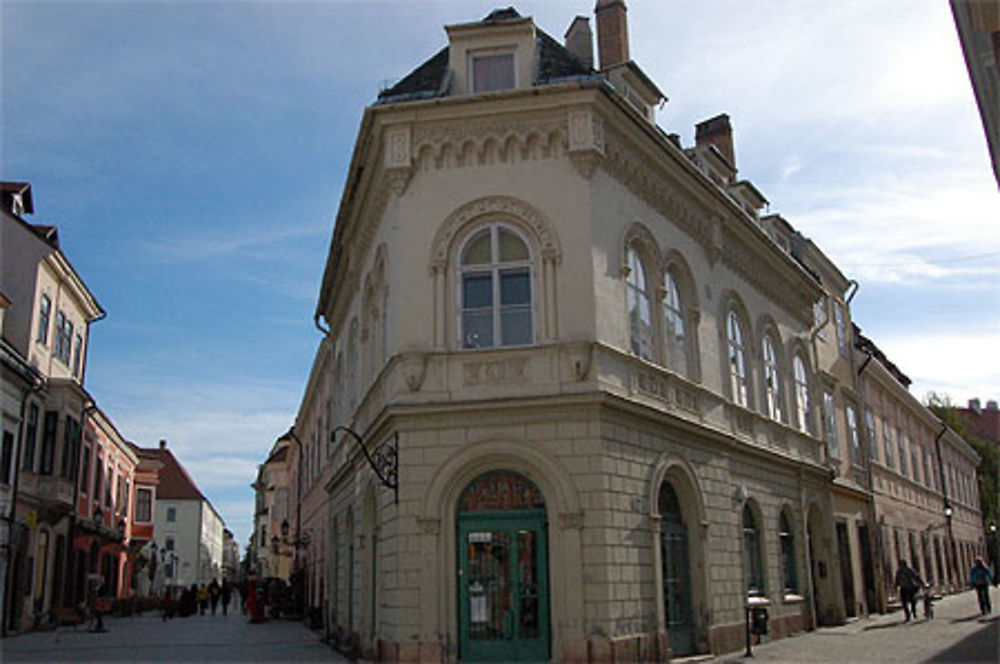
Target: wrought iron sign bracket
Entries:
(384, 460)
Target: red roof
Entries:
(175, 483)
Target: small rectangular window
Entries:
(852, 434)
(492, 72)
(6, 457)
(169, 545)
(30, 438)
(85, 481)
(48, 442)
(171, 514)
(44, 314)
(830, 421)
(77, 355)
(841, 321)
(143, 505)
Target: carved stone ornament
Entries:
(397, 147)
(496, 372)
(429, 526)
(398, 179)
(580, 358)
(414, 370)
(571, 520)
(506, 205)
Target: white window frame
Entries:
(772, 379)
(737, 358)
(853, 436)
(637, 292)
(840, 319)
(675, 347)
(830, 425)
(495, 268)
(801, 378)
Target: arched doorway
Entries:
(503, 598)
(676, 573)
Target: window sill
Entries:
(792, 598)
(757, 600)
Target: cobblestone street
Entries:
(196, 639)
(956, 634)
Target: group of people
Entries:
(910, 583)
(198, 599)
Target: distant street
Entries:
(195, 639)
(956, 634)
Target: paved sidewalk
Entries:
(956, 634)
(147, 638)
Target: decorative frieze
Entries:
(496, 372)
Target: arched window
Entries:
(772, 380)
(801, 393)
(495, 275)
(674, 329)
(640, 320)
(789, 575)
(752, 555)
(737, 359)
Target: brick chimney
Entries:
(718, 132)
(974, 406)
(612, 32)
(163, 443)
(991, 404)
(580, 41)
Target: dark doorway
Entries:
(846, 569)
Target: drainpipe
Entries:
(813, 618)
(946, 505)
(874, 542)
(37, 385)
(83, 363)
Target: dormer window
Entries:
(491, 71)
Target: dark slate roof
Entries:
(552, 63)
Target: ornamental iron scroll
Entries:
(384, 459)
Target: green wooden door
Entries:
(503, 587)
(676, 573)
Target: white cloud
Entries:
(963, 366)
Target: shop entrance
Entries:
(503, 570)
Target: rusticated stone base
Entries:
(653, 647)
(724, 639)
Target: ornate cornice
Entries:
(501, 140)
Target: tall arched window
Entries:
(737, 359)
(801, 393)
(495, 275)
(640, 319)
(772, 380)
(674, 329)
(753, 560)
(790, 576)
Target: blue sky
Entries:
(193, 153)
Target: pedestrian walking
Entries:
(227, 594)
(214, 592)
(908, 582)
(202, 598)
(99, 605)
(243, 596)
(980, 579)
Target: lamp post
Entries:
(952, 559)
(995, 555)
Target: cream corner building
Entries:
(579, 339)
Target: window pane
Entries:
(478, 250)
(477, 291)
(515, 326)
(477, 329)
(511, 247)
(493, 72)
(515, 287)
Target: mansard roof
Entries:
(431, 79)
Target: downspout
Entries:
(86, 343)
(37, 386)
(325, 331)
(874, 542)
(946, 504)
(813, 609)
(852, 289)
